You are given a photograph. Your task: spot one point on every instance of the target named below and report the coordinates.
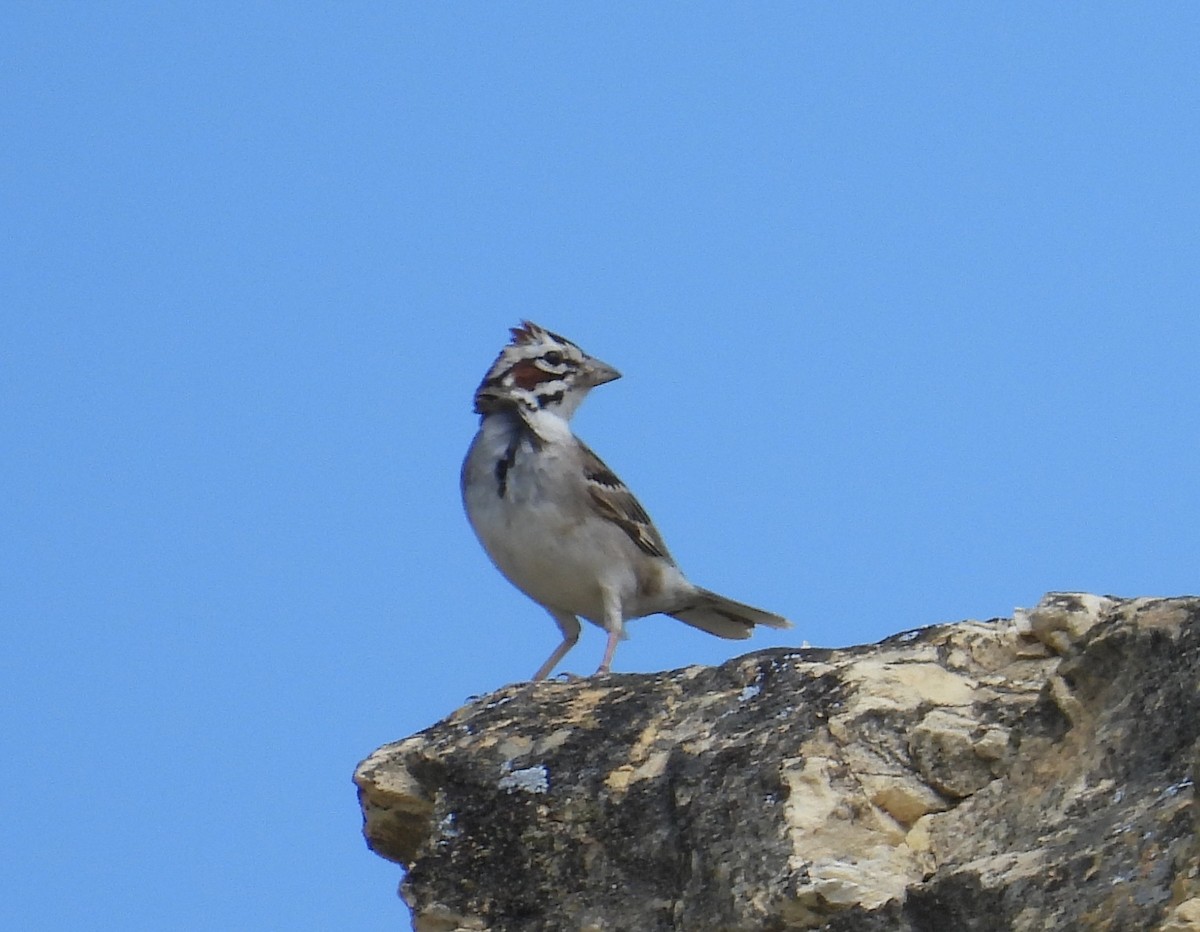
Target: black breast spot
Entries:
(503, 465)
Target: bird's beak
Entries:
(601, 372)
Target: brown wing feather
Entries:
(616, 503)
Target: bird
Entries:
(557, 522)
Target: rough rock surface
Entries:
(1017, 774)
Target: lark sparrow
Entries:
(556, 521)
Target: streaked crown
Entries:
(540, 370)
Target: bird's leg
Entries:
(568, 624)
(606, 663)
(614, 624)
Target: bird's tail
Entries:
(724, 617)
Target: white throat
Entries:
(547, 423)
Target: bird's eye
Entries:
(554, 357)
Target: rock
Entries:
(1018, 774)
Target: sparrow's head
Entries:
(540, 371)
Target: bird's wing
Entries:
(616, 503)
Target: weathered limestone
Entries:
(1018, 774)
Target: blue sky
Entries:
(905, 299)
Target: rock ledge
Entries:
(1017, 774)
